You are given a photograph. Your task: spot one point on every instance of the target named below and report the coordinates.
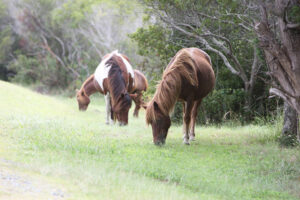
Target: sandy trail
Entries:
(16, 183)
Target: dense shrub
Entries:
(43, 72)
(220, 105)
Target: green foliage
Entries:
(294, 14)
(224, 104)
(153, 40)
(63, 39)
(6, 40)
(27, 69)
(73, 11)
(221, 105)
(76, 11)
(2, 8)
(229, 101)
(288, 140)
(5, 44)
(49, 75)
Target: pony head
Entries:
(83, 100)
(159, 121)
(121, 108)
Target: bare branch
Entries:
(206, 44)
(47, 47)
(293, 26)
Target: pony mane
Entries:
(182, 66)
(116, 79)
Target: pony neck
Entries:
(89, 86)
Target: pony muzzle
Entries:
(82, 108)
(160, 142)
(122, 123)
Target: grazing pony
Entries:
(113, 86)
(189, 77)
(140, 86)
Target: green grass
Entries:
(50, 137)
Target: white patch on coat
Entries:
(102, 70)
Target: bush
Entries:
(44, 73)
(220, 105)
(288, 140)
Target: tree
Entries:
(68, 38)
(220, 27)
(225, 30)
(282, 54)
(6, 41)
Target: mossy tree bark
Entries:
(290, 131)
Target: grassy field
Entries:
(48, 138)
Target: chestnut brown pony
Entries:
(113, 86)
(189, 77)
(140, 86)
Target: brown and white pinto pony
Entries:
(189, 77)
(116, 97)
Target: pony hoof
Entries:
(107, 123)
(185, 141)
(192, 138)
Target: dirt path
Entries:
(16, 183)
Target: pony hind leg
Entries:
(193, 120)
(108, 109)
(187, 109)
(138, 101)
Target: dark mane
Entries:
(116, 81)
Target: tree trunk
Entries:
(282, 54)
(283, 60)
(290, 131)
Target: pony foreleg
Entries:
(186, 121)
(108, 109)
(193, 120)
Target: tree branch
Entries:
(254, 70)
(205, 43)
(293, 26)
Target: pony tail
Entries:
(146, 83)
(185, 65)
